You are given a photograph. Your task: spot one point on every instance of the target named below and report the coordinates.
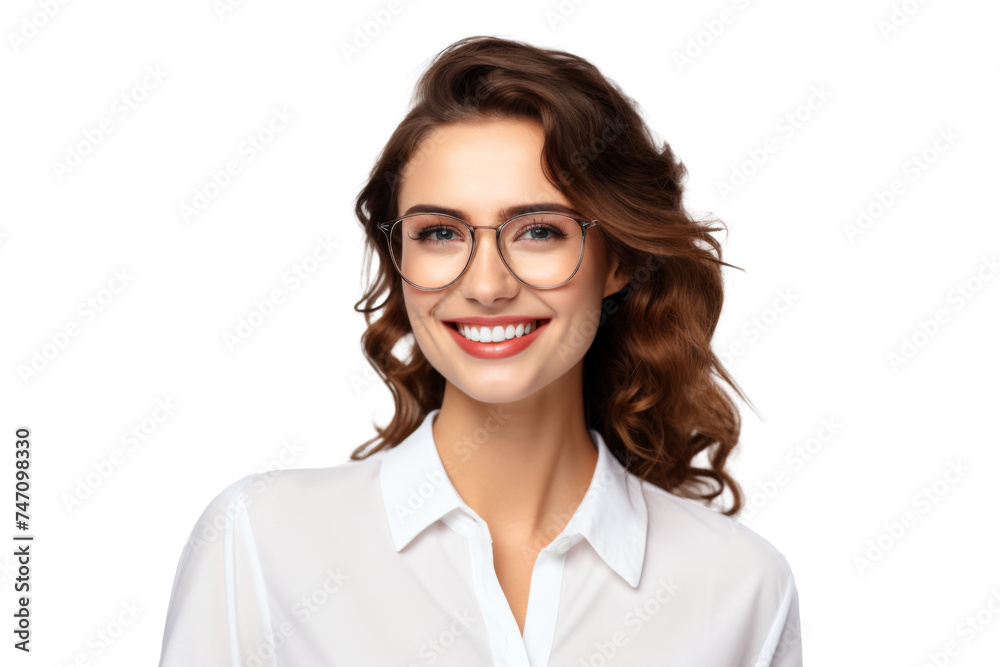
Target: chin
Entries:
(496, 392)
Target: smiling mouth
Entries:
(497, 334)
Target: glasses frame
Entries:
(388, 228)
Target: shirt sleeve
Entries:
(783, 647)
(218, 614)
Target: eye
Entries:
(443, 234)
(538, 229)
(432, 229)
(545, 229)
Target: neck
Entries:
(524, 466)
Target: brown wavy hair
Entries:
(650, 374)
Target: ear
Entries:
(616, 278)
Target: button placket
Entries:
(501, 626)
(543, 603)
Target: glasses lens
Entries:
(542, 249)
(430, 250)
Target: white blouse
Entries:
(381, 563)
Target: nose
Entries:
(487, 278)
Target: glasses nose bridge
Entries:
(474, 228)
(496, 238)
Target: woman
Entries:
(534, 500)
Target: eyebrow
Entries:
(502, 215)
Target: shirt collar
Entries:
(612, 517)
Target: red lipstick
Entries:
(500, 349)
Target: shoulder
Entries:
(726, 573)
(297, 510)
(296, 489)
(689, 531)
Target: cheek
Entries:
(590, 287)
(584, 305)
(411, 312)
(417, 309)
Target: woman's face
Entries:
(480, 169)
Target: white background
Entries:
(296, 392)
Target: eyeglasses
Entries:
(541, 249)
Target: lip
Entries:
(496, 320)
(507, 348)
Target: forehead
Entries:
(478, 168)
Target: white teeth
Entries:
(497, 333)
